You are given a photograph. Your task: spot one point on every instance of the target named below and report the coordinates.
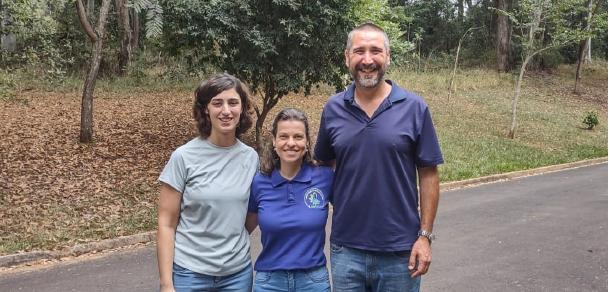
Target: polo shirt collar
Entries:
(396, 94)
(303, 176)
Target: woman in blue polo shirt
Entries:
(289, 201)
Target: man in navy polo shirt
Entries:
(380, 138)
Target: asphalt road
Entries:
(540, 233)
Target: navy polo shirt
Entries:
(375, 192)
(292, 217)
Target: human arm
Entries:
(251, 222)
(168, 214)
(330, 163)
(429, 197)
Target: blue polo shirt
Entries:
(375, 200)
(292, 217)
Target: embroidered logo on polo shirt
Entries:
(314, 198)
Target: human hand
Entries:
(422, 255)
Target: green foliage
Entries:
(545, 23)
(388, 18)
(435, 22)
(8, 85)
(591, 119)
(48, 41)
(154, 15)
(276, 46)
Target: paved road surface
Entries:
(541, 233)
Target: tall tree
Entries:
(460, 5)
(124, 58)
(503, 34)
(277, 47)
(96, 36)
(136, 29)
(7, 41)
(585, 45)
(538, 20)
(90, 8)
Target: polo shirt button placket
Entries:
(290, 197)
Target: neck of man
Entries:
(372, 94)
(289, 170)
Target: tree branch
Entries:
(82, 16)
(544, 49)
(103, 14)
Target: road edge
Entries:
(107, 244)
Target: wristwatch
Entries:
(427, 234)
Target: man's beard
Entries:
(368, 83)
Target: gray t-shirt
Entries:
(211, 237)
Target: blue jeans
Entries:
(186, 280)
(356, 270)
(311, 280)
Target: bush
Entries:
(591, 119)
(8, 85)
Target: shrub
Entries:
(8, 84)
(591, 119)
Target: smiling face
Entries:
(224, 110)
(290, 142)
(367, 58)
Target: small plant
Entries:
(591, 119)
(8, 83)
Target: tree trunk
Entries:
(96, 37)
(528, 57)
(583, 49)
(460, 10)
(124, 58)
(90, 8)
(513, 121)
(136, 30)
(493, 19)
(259, 134)
(503, 38)
(260, 122)
(587, 28)
(581, 57)
(270, 99)
(86, 112)
(8, 42)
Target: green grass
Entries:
(473, 125)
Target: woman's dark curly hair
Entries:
(271, 159)
(214, 86)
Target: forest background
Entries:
(96, 94)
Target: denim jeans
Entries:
(311, 280)
(355, 270)
(186, 280)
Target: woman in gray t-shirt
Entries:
(202, 243)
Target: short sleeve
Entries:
(253, 203)
(428, 151)
(175, 173)
(323, 149)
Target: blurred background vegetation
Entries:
(44, 44)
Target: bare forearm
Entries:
(168, 214)
(429, 196)
(165, 254)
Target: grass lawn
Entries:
(55, 192)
